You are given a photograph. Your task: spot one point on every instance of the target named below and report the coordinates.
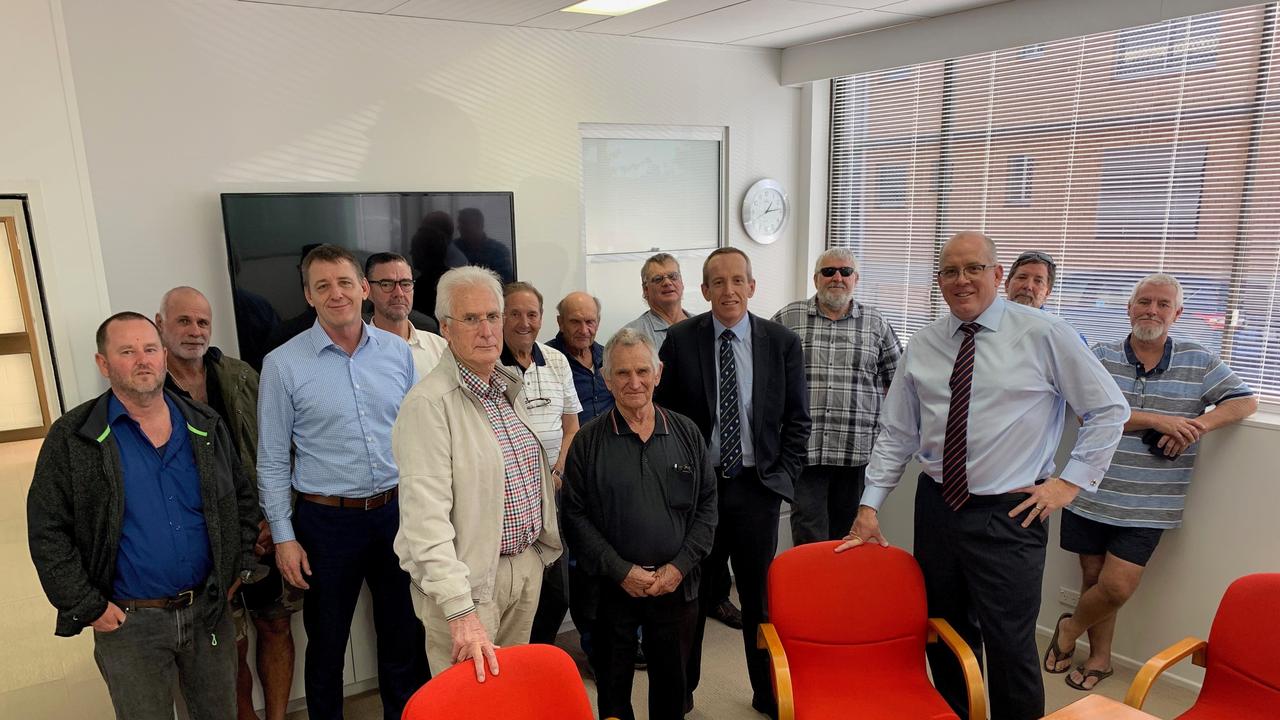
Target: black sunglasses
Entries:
(845, 271)
(1034, 256)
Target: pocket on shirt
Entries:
(680, 486)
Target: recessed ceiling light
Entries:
(610, 7)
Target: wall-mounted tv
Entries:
(268, 233)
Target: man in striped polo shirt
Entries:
(1169, 384)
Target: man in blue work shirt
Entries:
(141, 523)
(328, 398)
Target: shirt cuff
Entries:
(1082, 475)
(282, 531)
(873, 497)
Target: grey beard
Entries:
(1147, 333)
(834, 300)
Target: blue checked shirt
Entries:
(335, 411)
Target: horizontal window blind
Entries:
(1152, 149)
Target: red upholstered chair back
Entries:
(535, 682)
(1243, 669)
(834, 609)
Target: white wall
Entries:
(41, 157)
(185, 99)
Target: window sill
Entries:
(1267, 417)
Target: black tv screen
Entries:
(268, 233)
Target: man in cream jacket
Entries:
(477, 511)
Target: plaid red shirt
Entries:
(521, 463)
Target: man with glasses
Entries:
(553, 408)
(979, 400)
(478, 523)
(851, 354)
(663, 290)
(391, 294)
(1031, 279)
(326, 404)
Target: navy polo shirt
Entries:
(592, 392)
(164, 544)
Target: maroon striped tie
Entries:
(955, 454)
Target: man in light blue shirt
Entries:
(979, 400)
(327, 401)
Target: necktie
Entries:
(730, 434)
(955, 454)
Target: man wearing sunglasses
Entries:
(850, 355)
(391, 286)
(1031, 279)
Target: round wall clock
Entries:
(764, 211)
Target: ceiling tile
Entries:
(368, 6)
(747, 19)
(496, 12)
(855, 4)
(557, 20)
(660, 14)
(827, 29)
(934, 8)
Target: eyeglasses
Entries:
(538, 402)
(656, 280)
(971, 271)
(473, 321)
(389, 285)
(1034, 256)
(845, 271)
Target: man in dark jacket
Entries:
(141, 522)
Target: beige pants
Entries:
(507, 616)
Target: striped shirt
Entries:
(549, 394)
(849, 363)
(521, 463)
(1140, 489)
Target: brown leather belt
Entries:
(181, 601)
(372, 502)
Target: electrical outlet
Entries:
(1068, 597)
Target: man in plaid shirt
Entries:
(850, 355)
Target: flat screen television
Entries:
(268, 233)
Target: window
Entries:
(1018, 186)
(1154, 149)
(1031, 52)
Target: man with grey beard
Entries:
(850, 355)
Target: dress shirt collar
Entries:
(620, 426)
(321, 340)
(989, 319)
(494, 388)
(1160, 367)
(508, 358)
(742, 330)
(853, 311)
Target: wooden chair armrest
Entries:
(767, 639)
(941, 629)
(1160, 662)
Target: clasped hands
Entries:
(1178, 433)
(651, 583)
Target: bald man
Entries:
(202, 372)
(578, 316)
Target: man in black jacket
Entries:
(741, 379)
(141, 522)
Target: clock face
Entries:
(764, 211)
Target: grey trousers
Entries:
(155, 649)
(826, 502)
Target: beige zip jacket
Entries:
(451, 487)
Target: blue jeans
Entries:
(142, 658)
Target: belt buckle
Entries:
(367, 501)
(190, 596)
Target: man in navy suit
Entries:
(741, 379)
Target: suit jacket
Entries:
(780, 396)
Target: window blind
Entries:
(1151, 149)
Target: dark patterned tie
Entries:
(730, 434)
(955, 454)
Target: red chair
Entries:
(1241, 659)
(848, 634)
(534, 682)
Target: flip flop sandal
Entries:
(1054, 654)
(1085, 675)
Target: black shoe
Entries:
(766, 706)
(727, 613)
(641, 663)
(688, 703)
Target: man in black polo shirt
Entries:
(640, 510)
